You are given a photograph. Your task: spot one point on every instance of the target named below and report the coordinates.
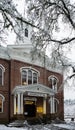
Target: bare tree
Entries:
(48, 16)
(10, 18)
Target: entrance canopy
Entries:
(38, 90)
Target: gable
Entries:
(34, 89)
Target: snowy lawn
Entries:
(70, 126)
(3, 127)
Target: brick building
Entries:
(28, 87)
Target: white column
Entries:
(44, 105)
(14, 104)
(21, 103)
(52, 106)
(19, 106)
(51, 109)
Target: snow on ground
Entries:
(3, 127)
(67, 126)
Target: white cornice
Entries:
(4, 53)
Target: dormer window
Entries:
(26, 32)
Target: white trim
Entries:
(44, 105)
(54, 87)
(15, 104)
(19, 104)
(53, 76)
(30, 99)
(52, 104)
(12, 52)
(3, 99)
(3, 70)
(33, 69)
(34, 88)
(56, 100)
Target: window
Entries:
(24, 77)
(26, 32)
(0, 76)
(2, 69)
(56, 106)
(35, 77)
(29, 76)
(53, 80)
(53, 105)
(1, 102)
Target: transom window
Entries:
(2, 69)
(53, 80)
(29, 76)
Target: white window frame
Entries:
(3, 99)
(52, 77)
(33, 71)
(52, 102)
(57, 102)
(3, 70)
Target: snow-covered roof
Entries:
(23, 53)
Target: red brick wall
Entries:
(43, 79)
(12, 78)
(4, 90)
(16, 75)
